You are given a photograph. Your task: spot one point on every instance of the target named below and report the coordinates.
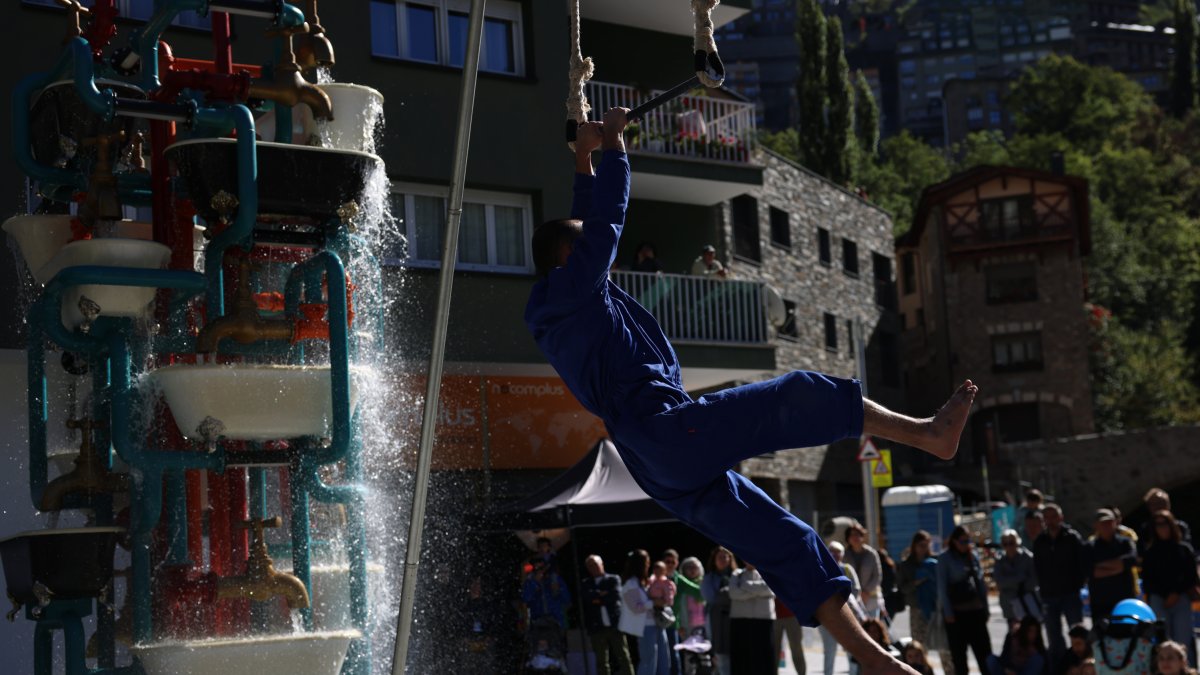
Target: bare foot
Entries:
(891, 666)
(945, 428)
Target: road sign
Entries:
(881, 470)
(867, 451)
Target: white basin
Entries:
(40, 237)
(251, 402)
(300, 654)
(356, 110)
(128, 301)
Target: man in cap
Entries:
(1109, 560)
(707, 264)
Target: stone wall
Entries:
(812, 202)
(1089, 471)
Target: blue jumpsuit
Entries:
(614, 357)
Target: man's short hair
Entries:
(1079, 631)
(1033, 495)
(1034, 515)
(670, 553)
(548, 238)
(1157, 493)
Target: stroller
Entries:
(696, 658)
(1126, 640)
(546, 648)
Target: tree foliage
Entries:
(866, 116)
(839, 153)
(1143, 273)
(810, 86)
(1084, 104)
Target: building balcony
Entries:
(698, 149)
(1026, 232)
(665, 17)
(701, 310)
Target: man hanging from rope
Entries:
(614, 357)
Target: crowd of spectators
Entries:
(664, 616)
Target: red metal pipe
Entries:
(103, 27)
(195, 518)
(220, 545)
(222, 49)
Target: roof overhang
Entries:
(664, 17)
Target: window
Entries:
(1016, 352)
(435, 31)
(1007, 218)
(850, 346)
(745, 228)
(830, 332)
(823, 252)
(140, 10)
(885, 288)
(909, 270)
(781, 229)
(1011, 283)
(789, 329)
(850, 258)
(493, 236)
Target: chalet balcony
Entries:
(690, 127)
(700, 310)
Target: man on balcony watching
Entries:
(614, 357)
(707, 264)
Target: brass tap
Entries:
(102, 202)
(74, 11)
(262, 582)
(314, 49)
(89, 476)
(288, 86)
(244, 323)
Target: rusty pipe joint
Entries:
(262, 581)
(244, 324)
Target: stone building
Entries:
(992, 288)
(828, 254)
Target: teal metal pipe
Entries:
(132, 187)
(177, 526)
(144, 41)
(301, 534)
(38, 415)
(109, 276)
(241, 230)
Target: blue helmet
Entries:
(1132, 611)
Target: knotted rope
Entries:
(580, 72)
(705, 46)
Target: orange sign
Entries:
(501, 422)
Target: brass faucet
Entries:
(314, 49)
(89, 476)
(244, 323)
(261, 581)
(102, 202)
(288, 86)
(75, 10)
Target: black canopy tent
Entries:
(598, 491)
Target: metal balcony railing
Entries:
(700, 309)
(693, 126)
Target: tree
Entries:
(810, 86)
(866, 116)
(839, 157)
(1087, 105)
(908, 165)
(1183, 75)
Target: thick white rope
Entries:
(580, 72)
(704, 41)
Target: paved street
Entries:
(814, 653)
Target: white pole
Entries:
(869, 496)
(437, 357)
